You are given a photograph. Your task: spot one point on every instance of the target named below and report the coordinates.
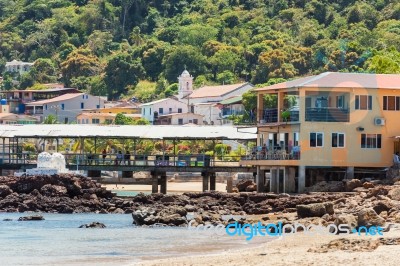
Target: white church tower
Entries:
(185, 84)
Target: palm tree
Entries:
(50, 119)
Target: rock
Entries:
(360, 190)
(5, 191)
(242, 185)
(381, 206)
(394, 194)
(251, 188)
(53, 190)
(323, 186)
(174, 219)
(93, 225)
(284, 195)
(314, 210)
(7, 219)
(368, 217)
(368, 185)
(168, 199)
(31, 218)
(351, 184)
(350, 220)
(235, 190)
(376, 191)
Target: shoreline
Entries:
(291, 250)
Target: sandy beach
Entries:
(174, 187)
(293, 250)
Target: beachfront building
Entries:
(14, 119)
(152, 110)
(325, 127)
(232, 106)
(65, 107)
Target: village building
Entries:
(20, 67)
(325, 127)
(179, 119)
(152, 110)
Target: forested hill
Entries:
(108, 46)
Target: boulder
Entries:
(351, 184)
(251, 188)
(368, 185)
(31, 218)
(314, 209)
(93, 225)
(350, 220)
(5, 191)
(368, 217)
(381, 206)
(53, 190)
(242, 185)
(174, 219)
(394, 194)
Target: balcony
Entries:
(271, 116)
(327, 114)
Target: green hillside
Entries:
(108, 47)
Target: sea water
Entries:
(58, 240)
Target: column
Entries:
(212, 181)
(290, 183)
(154, 182)
(229, 184)
(302, 178)
(260, 179)
(205, 176)
(273, 180)
(350, 172)
(163, 181)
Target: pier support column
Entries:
(163, 183)
(229, 184)
(274, 180)
(302, 178)
(213, 181)
(350, 172)
(206, 179)
(290, 182)
(95, 174)
(154, 183)
(260, 180)
(127, 174)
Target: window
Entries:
(170, 110)
(62, 106)
(363, 102)
(180, 121)
(45, 107)
(160, 111)
(179, 110)
(338, 140)
(391, 103)
(108, 121)
(65, 120)
(371, 141)
(195, 121)
(98, 106)
(316, 139)
(340, 101)
(95, 121)
(144, 111)
(83, 96)
(82, 105)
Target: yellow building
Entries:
(101, 118)
(325, 127)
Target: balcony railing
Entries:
(327, 114)
(37, 112)
(271, 116)
(273, 155)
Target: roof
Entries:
(16, 63)
(46, 90)
(232, 100)
(216, 91)
(17, 117)
(159, 101)
(341, 80)
(144, 132)
(63, 97)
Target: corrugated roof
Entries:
(149, 132)
(235, 99)
(63, 97)
(341, 80)
(216, 91)
(46, 90)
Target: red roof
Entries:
(341, 80)
(63, 97)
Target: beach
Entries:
(174, 187)
(293, 250)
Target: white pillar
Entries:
(350, 172)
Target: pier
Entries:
(83, 147)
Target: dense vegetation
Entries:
(139, 47)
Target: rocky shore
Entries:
(363, 203)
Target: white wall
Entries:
(72, 107)
(148, 110)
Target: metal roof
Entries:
(144, 132)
